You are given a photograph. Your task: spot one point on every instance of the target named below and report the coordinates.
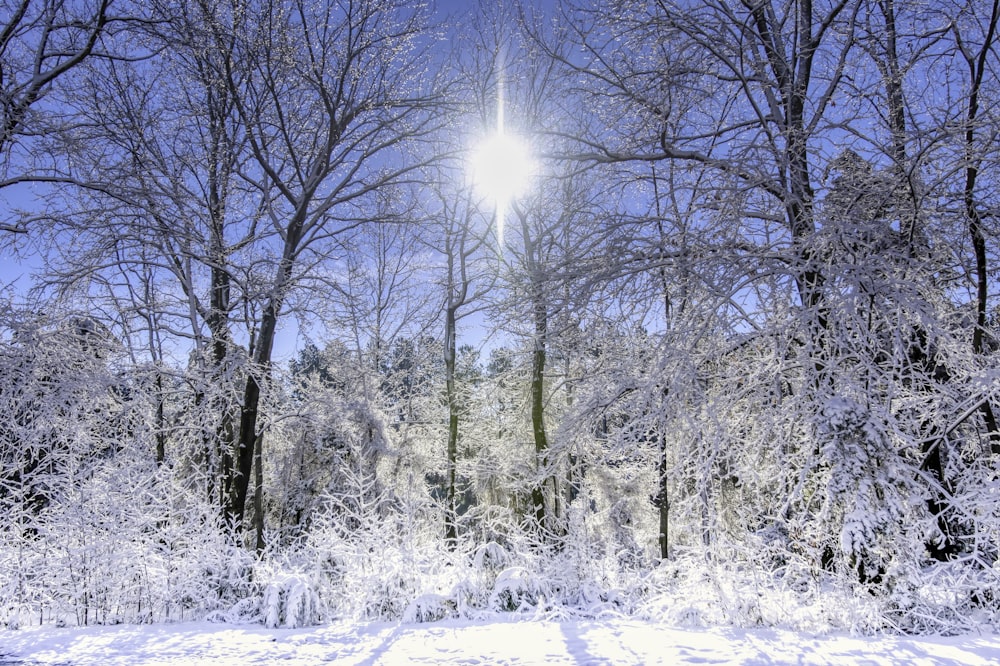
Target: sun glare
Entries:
(502, 168)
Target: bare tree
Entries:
(161, 218)
(331, 95)
(464, 288)
(767, 74)
(39, 43)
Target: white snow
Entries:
(462, 642)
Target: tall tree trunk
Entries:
(539, 314)
(261, 354)
(663, 501)
(538, 408)
(450, 351)
(243, 462)
(792, 73)
(892, 78)
(887, 61)
(977, 63)
(248, 433)
(258, 495)
(161, 422)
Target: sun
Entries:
(502, 168)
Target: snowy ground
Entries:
(453, 642)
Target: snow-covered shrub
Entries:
(430, 608)
(93, 529)
(862, 483)
(517, 589)
(869, 489)
(290, 601)
(370, 557)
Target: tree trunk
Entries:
(663, 501)
(538, 409)
(977, 66)
(242, 465)
(946, 546)
(161, 422)
(258, 495)
(450, 351)
(792, 73)
(261, 353)
(892, 77)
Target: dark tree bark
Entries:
(976, 60)
(249, 435)
(450, 351)
(540, 323)
(460, 246)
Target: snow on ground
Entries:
(457, 642)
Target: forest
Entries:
(724, 348)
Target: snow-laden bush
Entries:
(430, 608)
(517, 589)
(868, 487)
(387, 561)
(290, 601)
(112, 553)
(944, 598)
(735, 587)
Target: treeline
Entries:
(732, 356)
